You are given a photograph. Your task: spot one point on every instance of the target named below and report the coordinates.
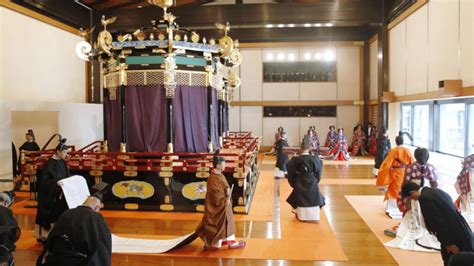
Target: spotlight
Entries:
(329, 55)
(270, 57)
(307, 56)
(291, 25)
(281, 25)
(291, 57)
(307, 25)
(269, 26)
(318, 25)
(328, 24)
(318, 56)
(281, 56)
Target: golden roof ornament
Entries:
(164, 4)
(194, 37)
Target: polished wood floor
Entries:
(359, 243)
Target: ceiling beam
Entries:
(349, 14)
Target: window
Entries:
(452, 128)
(445, 126)
(406, 118)
(421, 125)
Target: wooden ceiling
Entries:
(132, 4)
(251, 20)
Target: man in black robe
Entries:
(281, 157)
(304, 174)
(383, 147)
(79, 237)
(9, 229)
(442, 219)
(29, 145)
(51, 201)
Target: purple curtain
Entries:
(145, 118)
(215, 120)
(113, 121)
(190, 119)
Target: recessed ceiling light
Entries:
(329, 55)
(291, 25)
(281, 56)
(139, 6)
(307, 25)
(318, 25)
(270, 57)
(291, 57)
(307, 56)
(318, 56)
(329, 24)
(269, 26)
(281, 25)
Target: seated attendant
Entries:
(340, 152)
(331, 138)
(373, 141)
(358, 142)
(304, 174)
(79, 237)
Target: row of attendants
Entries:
(306, 200)
(430, 219)
(336, 146)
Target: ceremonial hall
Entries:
(236, 132)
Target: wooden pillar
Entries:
(106, 93)
(366, 84)
(123, 116)
(209, 118)
(169, 124)
(382, 73)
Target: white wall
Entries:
(397, 59)
(467, 42)
(253, 88)
(416, 53)
(38, 60)
(432, 44)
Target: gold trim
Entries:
(202, 174)
(240, 209)
(200, 208)
(292, 103)
(299, 44)
(32, 14)
(166, 207)
(412, 9)
(131, 206)
(130, 173)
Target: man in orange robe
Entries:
(391, 174)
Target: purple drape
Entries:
(113, 121)
(190, 119)
(215, 120)
(145, 118)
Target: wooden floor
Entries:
(358, 242)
